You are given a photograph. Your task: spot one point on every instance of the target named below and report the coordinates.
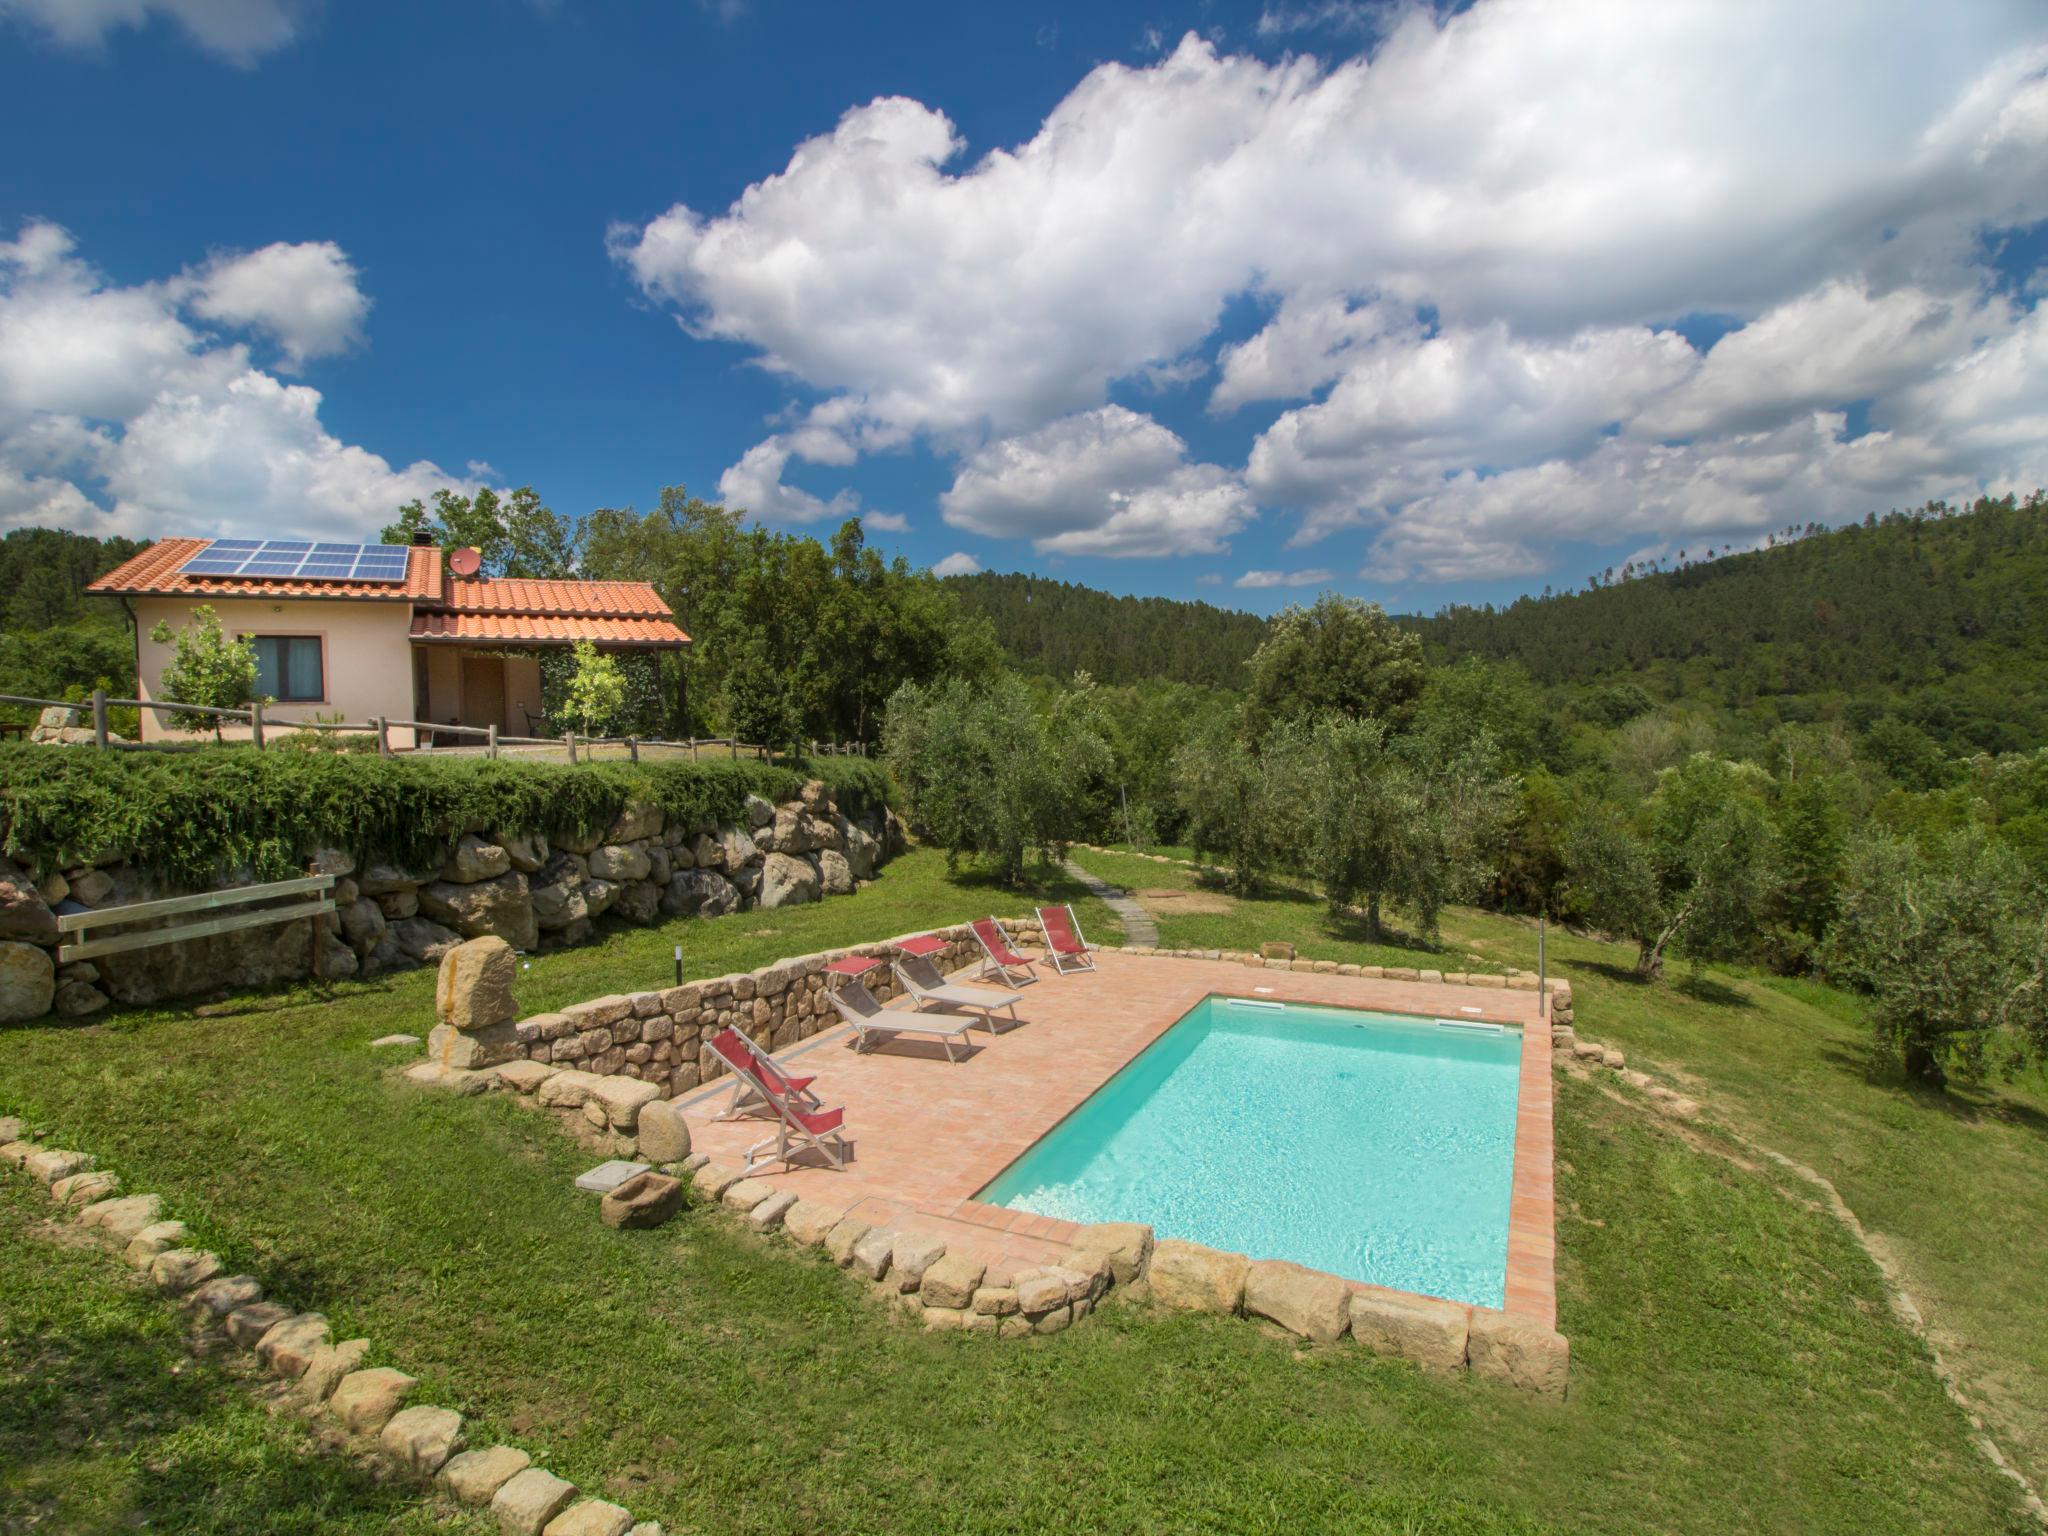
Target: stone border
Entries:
(368, 1404)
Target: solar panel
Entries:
(300, 559)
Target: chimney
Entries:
(422, 536)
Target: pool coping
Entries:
(1530, 1288)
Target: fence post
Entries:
(693, 749)
(99, 717)
(735, 749)
(256, 723)
(491, 740)
(569, 741)
(383, 738)
(633, 748)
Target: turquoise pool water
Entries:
(1373, 1147)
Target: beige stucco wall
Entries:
(367, 666)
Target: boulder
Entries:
(759, 812)
(620, 862)
(711, 1180)
(566, 1090)
(768, 1215)
(1430, 1333)
(529, 1500)
(78, 1000)
(1127, 1245)
(247, 1324)
(474, 860)
(788, 881)
(178, 1270)
(638, 901)
(474, 1476)
(638, 821)
(705, 853)
(863, 852)
(290, 1347)
(809, 1220)
(46, 1165)
(419, 938)
(645, 1200)
(158, 1237)
(952, 1281)
(501, 906)
(84, 1188)
(598, 895)
(912, 1255)
(699, 893)
(23, 912)
(1518, 1351)
(473, 1050)
(363, 923)
(835, 875)
(388, 879)
(590, 1517)
(95, 888)
(326, 1366)
(622, 1099)
(28, 982)
(795, 832)
(421, 1439)
(528, 851)
(1039, 1292)
(871, 1255)
(364, 1401)
(1193, 1278)
(474, 989)
(224, 1293)
(123, 1218)
(745, 1195)
(525, 1076)
(1303, 1301)
(735, 848)
(664, 1133)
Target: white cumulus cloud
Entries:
(1475, 243)
(959, 563)
(1103, 482)
(124, 409)
(1258, 580)
(239, 31)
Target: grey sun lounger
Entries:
(871, 1021)
(928, 988)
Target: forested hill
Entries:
(1058, 628)
(1939, 615)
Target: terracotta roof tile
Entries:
(511, 594)
(544, 629)
(155, 573)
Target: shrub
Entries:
(195, 816)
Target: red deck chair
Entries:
(1002, 962)
(798, 1127)
(747, 1101)
(1064, 945)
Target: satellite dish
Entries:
(465, 562)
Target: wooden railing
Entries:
(317, 891)
(489, 740)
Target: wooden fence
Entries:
(428, 735)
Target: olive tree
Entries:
(1342, 657)
(207, 668)
(1950, 943)
(1695, 878)
(1241, 803)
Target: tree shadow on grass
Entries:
(1352, 928)
(1702, 988)
(1965, 1103)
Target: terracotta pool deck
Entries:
(927, 1134)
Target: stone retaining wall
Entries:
(656, 1041)
(515, 886)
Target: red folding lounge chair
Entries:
(797, 1126)
(1064, 945)
(746, 1101)
(1002, 962)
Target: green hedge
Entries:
(193, 817)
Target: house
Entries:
(360, 631)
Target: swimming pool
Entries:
(1375, 1147)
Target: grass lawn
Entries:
(1735, 1368)
(1955, 1185)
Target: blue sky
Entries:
(1426, 306)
